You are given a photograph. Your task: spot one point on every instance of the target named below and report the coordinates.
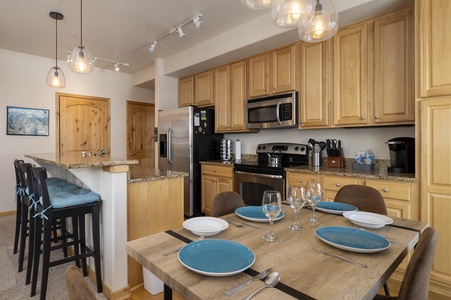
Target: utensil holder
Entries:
(317, 159)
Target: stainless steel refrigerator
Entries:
(186, 137)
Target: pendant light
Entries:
(260, 4)
(290, 12)
(55, 77)
(80, 59)
(322, 26)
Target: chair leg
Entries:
(82, 237)
(31, 242)
(23, 235)
(18, 222)
(47, 243)
(96, 239)
(386, 289)
(36, 254)
(76, 239)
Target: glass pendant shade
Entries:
(322, 26)
(260, 4)
(56, 78)
(81, 61)
(290, 12)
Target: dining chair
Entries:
(19, 191)
(415, 284)
(77, 287)
(365, 198)
(225, 203)
(53, 204)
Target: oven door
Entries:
(252, 185)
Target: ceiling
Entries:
(122, 30)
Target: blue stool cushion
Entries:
(60, 199)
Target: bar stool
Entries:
(18, 196)
(52, 205)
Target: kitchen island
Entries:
(116, 180)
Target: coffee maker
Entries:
(402, 155)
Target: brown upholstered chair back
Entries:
(225, 203)
(365, 198)
(77, 287)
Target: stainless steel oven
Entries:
(252, 178)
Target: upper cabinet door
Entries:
(186, 91)
(203, 87)
(434, 47)
(351, 76)
(316, 73)
(238, 96)
(283, 70)
(394, 99)
(258, 75)
(222, 98)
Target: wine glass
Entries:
(314, 195)
(296, 198)
(271, 206)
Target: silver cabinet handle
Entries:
(362, 118)
(300, 180)
(376, 117)
(385, 190)
(337, 184)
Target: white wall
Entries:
(352, 139)
(22, 83)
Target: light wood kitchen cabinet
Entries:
(394, 97)
(215, 179)
(332, 183)
(434, 63)
(316, 84)
(186, 91)
(436, 185)
(350, 100)
(230, 97)
(203, 89)
(272, 72)
(300, 179)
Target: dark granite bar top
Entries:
(74, 162)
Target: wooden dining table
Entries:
(305, 273)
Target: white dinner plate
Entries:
(367, 219)
(352, 239)
(216, 257)
(206, 226)
(336, 208)
(255, 214)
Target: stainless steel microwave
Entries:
(276, 111)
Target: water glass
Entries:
(296, 198)
(271, 206)
(314, 195)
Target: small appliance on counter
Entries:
(225, 149)
(402, 155)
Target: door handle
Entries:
(170, 156)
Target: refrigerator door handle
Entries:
(170, 156)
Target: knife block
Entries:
(336, 162)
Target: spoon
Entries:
(270, 281)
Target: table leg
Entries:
(167, 293)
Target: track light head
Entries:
(116, 67)
(197, 21)
(181, 33)
(152, 47)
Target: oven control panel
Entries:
(282, 148)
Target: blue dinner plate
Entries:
(216, 257)
(352, 239)
(255, 214)
(335, 208)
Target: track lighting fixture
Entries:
(197, 22)
(116, 67)
(55, 77)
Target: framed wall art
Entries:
(27, 121)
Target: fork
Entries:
(239, 224)
(391, 240)
(339, 256)
(178, 249)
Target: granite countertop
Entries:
(379, 172)
(143, 174)
(78, 161)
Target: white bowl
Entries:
(206, 226)
(367, 220)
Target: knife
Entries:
(235, 289)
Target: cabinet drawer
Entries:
(299, 179)
(392, 190)
(334, 183)
(222, 171)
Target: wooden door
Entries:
(186, 91)
(351, 76)
(315, 89)
(203, 89)
(238, 96)
(222, 98)
(83, 124)
(283, 70)
(140, 132)
(258, 75)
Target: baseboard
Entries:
(7, 213)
